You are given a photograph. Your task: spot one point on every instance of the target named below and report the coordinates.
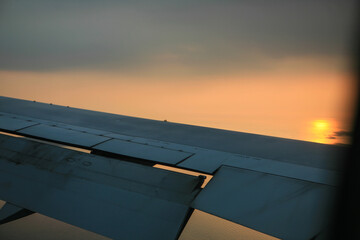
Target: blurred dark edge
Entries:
(346, 219)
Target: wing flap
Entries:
(143, 151)
(63, 135)
(206, 161)
(283, 207)
(11, 123)
(146, 149)
(117, 199)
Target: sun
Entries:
(321, 130)
(321, 125)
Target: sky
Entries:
(279, 68)
(274, 68)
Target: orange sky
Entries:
(273, 103)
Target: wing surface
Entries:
(283, 207)
(60, 123)
(278, 186)
(117, 199)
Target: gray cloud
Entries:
(338, 134)
(202, 36)
(343, 133)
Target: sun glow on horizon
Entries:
(310, 107)
(321, 130)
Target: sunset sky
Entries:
(279, 68)
(274, 68)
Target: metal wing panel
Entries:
(167, 145)
(206, 161)
(284, 169)
(283, 207)
(60, 134)
(146, 152)
(138, 217)
(11, 123)
(119, 136)
(147, 149)
(273, 148)
(117, 199)
(79, 129)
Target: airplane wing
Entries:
(277, 186)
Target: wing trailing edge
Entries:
(117, 199)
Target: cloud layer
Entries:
(206, 36)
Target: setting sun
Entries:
(321, 130)
(321, 125)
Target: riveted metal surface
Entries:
(117, 199)
(78, 129)
(143, 151)
(283, 207)
(65, 135)
(206, 161)
(11, 123)
(119, 136)
(284, 169)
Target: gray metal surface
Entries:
(146, 152)
(11, 123)
(167, 145)
(8, 210)
(272, 148)
(163, 152)
(64, 135)
(155, 143)
(283, 207)
(284, 169)
(117, 199)
(206, 161)
(79, 129)
(119, 136)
